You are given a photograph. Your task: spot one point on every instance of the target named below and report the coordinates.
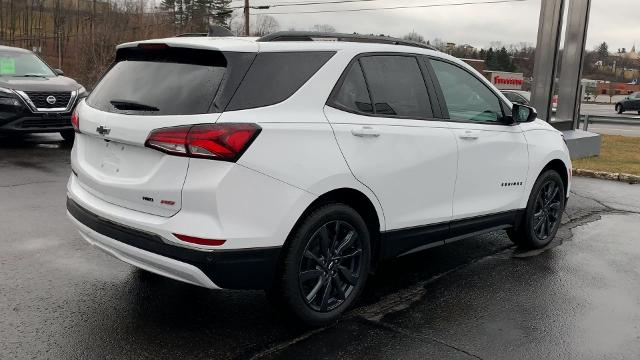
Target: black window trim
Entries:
(506, 110)
(426, 78)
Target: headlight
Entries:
(82, 92)
(9, 101)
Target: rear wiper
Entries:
(31, 75)
(131, 105)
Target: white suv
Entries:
(295, 166)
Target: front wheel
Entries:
(543, 214)
(325, 265)
(619, 109)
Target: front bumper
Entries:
(28, 122)
(229, 269)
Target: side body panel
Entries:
(545, 144)
(492, 169)
(410, 166)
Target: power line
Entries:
(388, 7)
(297, 3)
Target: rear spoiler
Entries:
(214, 31)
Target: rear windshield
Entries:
(160, 81)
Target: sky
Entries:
(478, 25)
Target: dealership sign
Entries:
(506, 80)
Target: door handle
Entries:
(365, 131)
(469, 135)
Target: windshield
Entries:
(19, 64)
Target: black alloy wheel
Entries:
(547, 210)
(542, 216)
(330, 267)
(324, 265)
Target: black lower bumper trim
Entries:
(229, 269)
(36, 123)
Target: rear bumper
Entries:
(229, 269)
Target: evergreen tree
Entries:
(603, 52)
(482, 54)
(503, 60)
(491, 59)
(199, 12)
(221, 11)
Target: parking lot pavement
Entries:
(61, 298)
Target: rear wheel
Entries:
(543, 214)
(619, 109)
(68, 135)
(325, 265)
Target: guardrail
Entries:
(596, 119)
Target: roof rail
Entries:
(314, 36)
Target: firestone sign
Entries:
(506, 80)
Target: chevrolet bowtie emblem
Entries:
(103, 130)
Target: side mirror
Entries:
(58, 72)
(523, 113)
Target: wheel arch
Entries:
(561, 168)
(359, 202)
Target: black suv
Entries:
(33, 96)
(631, 102)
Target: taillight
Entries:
(199, 241)
(225, 142)
(75, 121)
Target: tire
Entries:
(619, 109)
(322, 275)
(68, 136)
(543, 215)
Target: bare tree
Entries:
(265, 25)
(325, 28)
(414, 36)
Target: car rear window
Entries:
(275, 76)
(160, 81)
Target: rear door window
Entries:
(275, 76)
(160, 82)
(353, 94)
(397, 86)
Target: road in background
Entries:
(608, 110)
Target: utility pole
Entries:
(246, 17)
(59, 48)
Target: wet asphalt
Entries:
(478, 298)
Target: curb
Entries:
(628, 178)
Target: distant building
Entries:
(500, 79)
(505, 80)
(615, 88)
(631, 55)
(477, 64)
